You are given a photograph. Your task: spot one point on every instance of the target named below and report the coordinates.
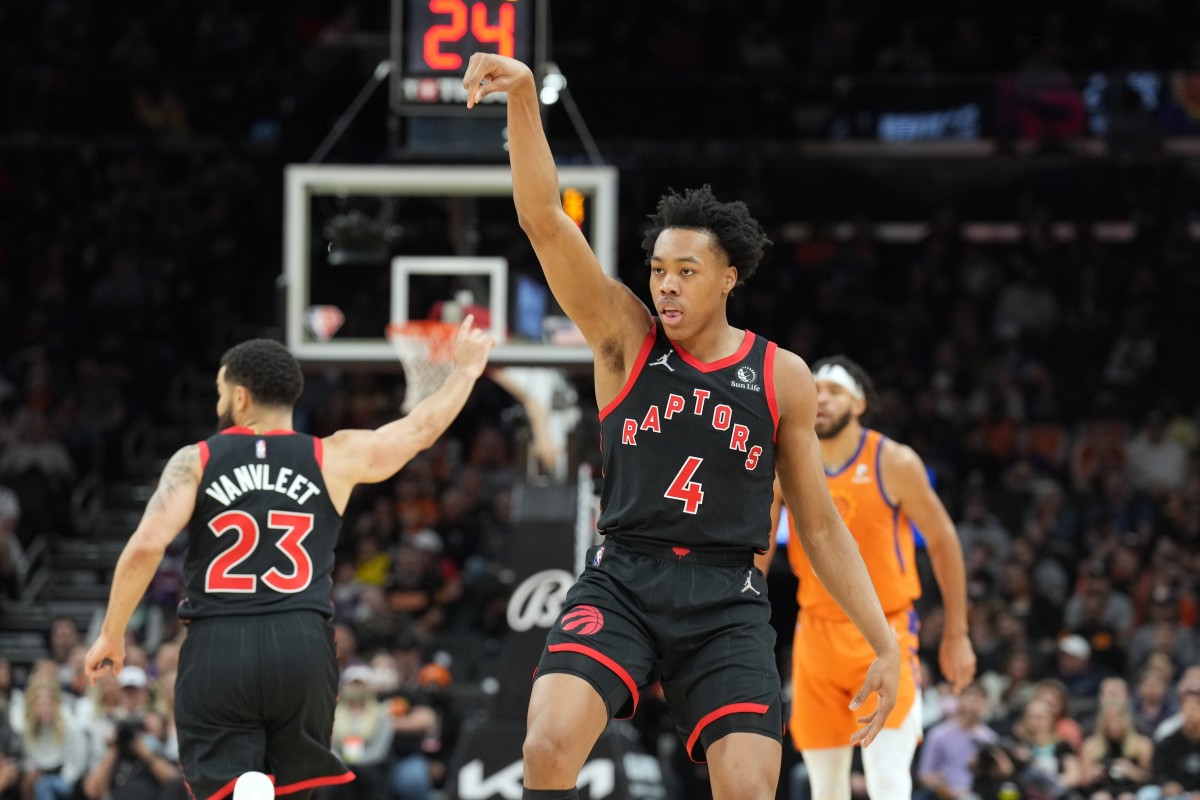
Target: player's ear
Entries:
(859, 407)
(241, 397)
(731, 279)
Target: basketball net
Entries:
(426, 351)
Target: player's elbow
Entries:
(538, 220)
(146, 545)
(817, 534)
(942, 541)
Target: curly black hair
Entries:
(859, 374)
(739, 234)
(267, 369)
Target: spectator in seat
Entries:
(1116, 758)
(362, 735)
(55, 746)
(950, 748)
(1177, 757)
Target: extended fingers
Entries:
(865, 736)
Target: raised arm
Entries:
(907, 484)
(827, 542)
(608, 314)
(352, 457)
(167, 513)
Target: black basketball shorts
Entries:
(699, 622)
(257, 693)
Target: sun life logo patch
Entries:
(746, 378)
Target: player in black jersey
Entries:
(262, 507)
(697, 418)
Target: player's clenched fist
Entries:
(488, 73)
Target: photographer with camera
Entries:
(133, 765)
(132, 768)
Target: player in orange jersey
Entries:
(881, 489)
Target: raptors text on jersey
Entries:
(689, 447)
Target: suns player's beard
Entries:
(836, 427)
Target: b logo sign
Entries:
(538, 600)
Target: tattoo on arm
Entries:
(179, 473)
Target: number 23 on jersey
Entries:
(221, 578)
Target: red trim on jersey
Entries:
(312, 783)
(203, 448)
(743, 349)
(223, 792)
(723, 711)
(242, 430)
(618, 670)
(769, 385)
(643, 354)
(318, 449)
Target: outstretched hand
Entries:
(488, 73)
(471, 347)
(883, 681)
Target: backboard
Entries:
(365, 246)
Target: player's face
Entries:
(224, 402)
(689, 280)
(835, 408)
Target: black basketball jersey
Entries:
(689, 448)
(262, 536)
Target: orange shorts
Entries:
(830, 659)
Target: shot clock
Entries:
(441, 35)
(431, 43)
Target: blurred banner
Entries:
(1130, 109)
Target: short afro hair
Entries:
(859, 374)
(739, 234)
(266, 369)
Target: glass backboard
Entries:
(365, 246)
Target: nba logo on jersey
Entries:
(260, 449)
(599, 555)
(860, 474)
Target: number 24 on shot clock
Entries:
(440, 35)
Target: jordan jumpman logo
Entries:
(662, 362)
(749, 587)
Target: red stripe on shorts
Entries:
(723, 711)
(618, 670)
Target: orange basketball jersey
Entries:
(883, 533)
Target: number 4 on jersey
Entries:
(685, 489)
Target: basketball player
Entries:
(879, 486)
(696, 418)
(262, 506)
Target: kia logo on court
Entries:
(598, 777)
(537, 602)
